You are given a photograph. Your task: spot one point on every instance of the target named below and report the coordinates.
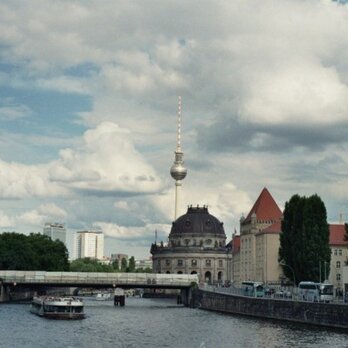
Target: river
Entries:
(155, 323)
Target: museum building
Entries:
(197, 245)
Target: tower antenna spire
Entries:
(178, 141)
(178, 171)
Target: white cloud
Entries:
(13, 112)
(240, 65)
(52, 211)
(6, 221)
(132, 232)
(108, 162)
(20, 181)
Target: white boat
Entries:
(56, 307)
(103, 296)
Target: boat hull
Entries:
(58, 308)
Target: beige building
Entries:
(255, 251)
(339, 255)
(90, 244)
(257, 258)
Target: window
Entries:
(338, 264)
(208, 263)
(193, 262)
(340, 252)
(338, 276)
(180, 262)
(220, 263)
(208, 241)
(167, 262)
(335, 251)
(187, 241)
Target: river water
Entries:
(155, 323)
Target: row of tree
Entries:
(40, 253)
(33, 252)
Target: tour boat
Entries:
(56, 307)
(103, 296)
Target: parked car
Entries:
(269, 291)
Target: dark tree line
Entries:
(304, 241)
(34, 252)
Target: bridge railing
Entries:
(41, 277)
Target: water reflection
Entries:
(155, 323)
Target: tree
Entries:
(34, 252)
(90, 265)
(123, 264)
(304, 241)
(131, 265)
(116, 265)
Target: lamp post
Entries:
(282, 263)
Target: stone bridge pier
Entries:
(186, 297)
(4, 292)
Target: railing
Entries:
(38, 277)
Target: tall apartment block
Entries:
(90, 244)
(55, 231)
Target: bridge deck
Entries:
(86, 279)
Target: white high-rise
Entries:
(55, 231)
(90, 244)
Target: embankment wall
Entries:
(323, 314)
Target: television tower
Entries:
(178, 171)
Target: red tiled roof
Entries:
(236, 244)
(337, 235)
(275, 228)
(265, 208)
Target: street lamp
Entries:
(282, 263)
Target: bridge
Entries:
(10, 281)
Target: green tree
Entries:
(90, 265)
(116, 265)
(123, 264)
(33, 252)
(131, 265)
(304, 240)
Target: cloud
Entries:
(107, 163)
(6, 221)
(264, 89)
(13, 112)
(145, 232)
(20, 181)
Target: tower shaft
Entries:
(178, 171)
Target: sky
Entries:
(88, 109)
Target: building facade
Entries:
(339, 255)
(55, 231)
(197, 245)
(90, 244)
(255, 254)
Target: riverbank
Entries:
(319, 314)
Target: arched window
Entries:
(179, 272)
(207, 277)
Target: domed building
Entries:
(197, 245)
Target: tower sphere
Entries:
(178, 171)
